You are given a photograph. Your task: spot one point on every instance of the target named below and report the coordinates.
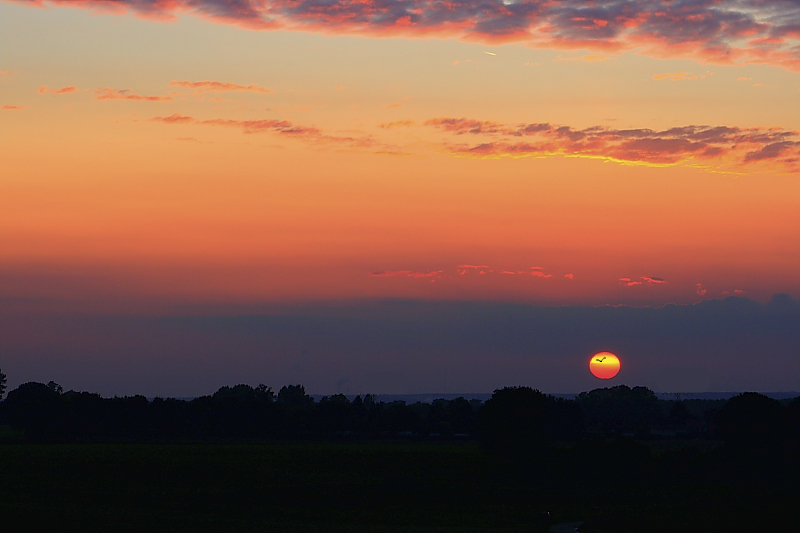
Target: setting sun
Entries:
(604, 365)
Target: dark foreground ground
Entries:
(614, 486)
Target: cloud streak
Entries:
(713, 31)
(208, 86)
(107, 93)
(280, 127)
(407, 273)
(708, 146)
(53, 90)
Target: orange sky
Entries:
(357, 196)
(190, 159)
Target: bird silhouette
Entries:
(599, 360)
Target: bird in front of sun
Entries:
(604, 365)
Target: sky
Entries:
(387, 196)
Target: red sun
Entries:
(604, 365)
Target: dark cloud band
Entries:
(715, 31)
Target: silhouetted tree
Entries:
(294, 396)
(2, 384)
(619, 410)
(751, 417)
(513, 422)
(35, 408)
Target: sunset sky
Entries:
(393, 196)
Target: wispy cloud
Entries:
(52, 90)
(468, 271)
(208, 86)
(648, 280)
(12, 107)
(280, 127)
(407, 273)
(713, 31)
(396, 124)
(708, 146)
(107, 93)
(675, 76)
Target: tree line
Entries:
(514, 417)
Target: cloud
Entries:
(722, 147)
(711, 31)
(53, 90)
(64, 90)
(649, 280)
(569, 276)
(675, 76)
(12, 107)
(280, 127)
(107, 93)
(175, 118)
(218, 87)
(460, 126)
(4, 72)
(701, 291)
(407, 273)
(396, 124)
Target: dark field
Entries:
(389, 487)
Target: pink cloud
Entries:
(12, 107)
(53, 90)
(281, 127)
(175, 118)
(712, 31)
(649, 280)
(569, 276)
(64, 90)
(407, 273)
(218, 86)
(107, 93)
(701, 291)
(396, 124)
(699, 145)
(675, 76)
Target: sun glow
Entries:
(604, 365)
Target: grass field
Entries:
(267, 487)
(377, 487)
